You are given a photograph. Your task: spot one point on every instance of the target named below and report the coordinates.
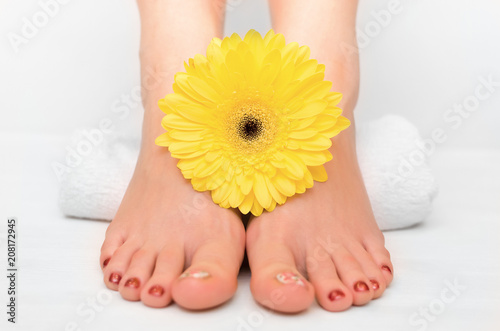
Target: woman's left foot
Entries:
(322, 243)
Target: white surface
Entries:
(59, 268)
(80, 64)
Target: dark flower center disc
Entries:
(249, 128)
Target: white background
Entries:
(75, 70)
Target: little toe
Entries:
(382, 259)
(353, 277)
(138, 273)
(276, 282)
(157, 291)
(108, 248)
(331, 293)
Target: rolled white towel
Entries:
(398, 179)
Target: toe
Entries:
(370, 268)
(157, 291)
(212, 277)
(276, 283)
(109, 246)
(118, 264)
(138, 273)
(331, 293)
(382, 259)
(352, 275)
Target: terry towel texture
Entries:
(398, 179)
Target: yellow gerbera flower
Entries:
(252, 121)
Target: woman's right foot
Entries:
(170, 243)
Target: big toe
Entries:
(276, 282)
(212, 277)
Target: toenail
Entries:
(290, 278)
(336, 295)
(133, 282)
(386, 268)
(360, 287)
(156, 290)
(195, 274)
(375, 285)
(105, 263)
(115, 278)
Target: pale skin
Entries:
(327, 236)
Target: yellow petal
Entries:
(318, 173)
(301, 186)
(260, 190)
(323, 122)
(184, 147)
(294, 164)
(245, 183)
(305, 69)
(302, 134)
(309, 110)
(311, 158)
(271, 67)
(290, 52)
(199, 184)
(256, 208)
(177, 122)
(203, 89)
(234, 62)
(334, 98)
(269, 35)
(247, 203)
(317, 143)
(221, 193)
(205, 168)
(284, 185)
(277, 196)
(186, 135)
(216, 180)
(214, 54)
(271, 208)
(195, 112)
(236, 197)
(318, 90)
(284, 77)
(303, 54)
(276, 42)
(186, 164)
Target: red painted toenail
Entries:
(336, 295)
(156, 290)
(386, 268)
(105, 263)
(133, 282)
(360, 287)
(375, 285)
(115, 278)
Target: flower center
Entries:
(250, 128)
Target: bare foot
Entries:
(169, 242)
(322, 243)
